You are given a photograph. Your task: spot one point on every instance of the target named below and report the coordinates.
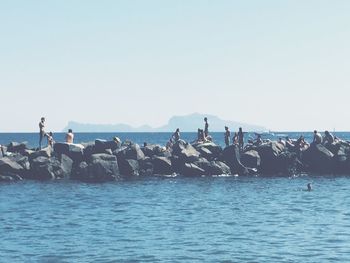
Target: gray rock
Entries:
(162, 165)
(16, 147)
(185, 151)
(190, 169)
(129, 167)
(231, 157)
(318, 159)
(251, 159)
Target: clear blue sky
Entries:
(281, 64)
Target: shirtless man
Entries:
(227, 136)
(69, 136)
(317, 138)
(41, 131)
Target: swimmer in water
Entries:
(309, 187)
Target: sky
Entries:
(284, 65)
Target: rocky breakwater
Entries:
(102, 161)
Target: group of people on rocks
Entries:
(203, 136)
(50, 141)
(238, 139)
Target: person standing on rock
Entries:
(41, 131)
(227, 136)
(240, 139)
(206, 127)
(176, 135)
(235, 139)
(70, 136)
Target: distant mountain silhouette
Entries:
(187, 123)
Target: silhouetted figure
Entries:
(317, 138)
(201, 136)
(206, 127)
(240, 139)
(309, 187)
(2, 151)
(176, 135)
(258, 140)
(227, 136)
(70, 136)
(235, 139)
(328, 138)
(41, 131)
(50, 140)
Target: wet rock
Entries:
(318, 159)
(6, 178)
(251, 159)
(231, 157)
(162, 165)
(43, 168)
(214, 167)
(66, 165)
(129, 167)
(190, 169)
(9, 167)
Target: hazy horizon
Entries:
(283, 65)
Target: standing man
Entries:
(41, 131)
(227, 136)
(240, 139)
(206, 127)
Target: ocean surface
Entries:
(211, 219)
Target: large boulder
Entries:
(129, 167)
(102, 145)
(43, 168)
(231, 156)
(162, 165)
(185, 151)
(9, 167)
(151, 150)
(251, 159)
(269, 153)
(131, 151)
(213, 167)
(190, 169)
(45, 152)
(74, 151)
(146, 167)
(209, 150)
(101, 168)
(318, 159)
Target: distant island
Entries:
(186, 123)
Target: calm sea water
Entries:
(225, 219)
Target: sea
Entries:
(176, 219)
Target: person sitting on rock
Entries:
(328, 138)
(41, 131)
(317, 138)
(176, 135)
(206, 127)
(70, 136)
(201, 136)
(258, 140)
(50, 140)
(227, 136)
